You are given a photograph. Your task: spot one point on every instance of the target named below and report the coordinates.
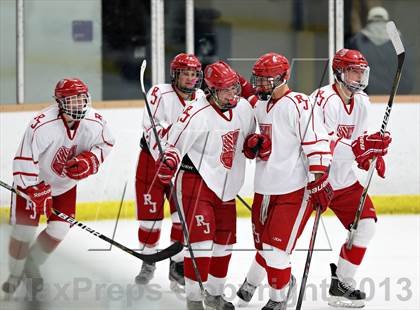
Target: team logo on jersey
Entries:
(265, 129)
(345, 131)
(229, 147)
(62, 155)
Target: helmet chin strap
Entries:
(268, 96)
(343, 88)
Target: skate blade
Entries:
(176, 288)
(342, 302)
(242, 303)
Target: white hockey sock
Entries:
(16, 266)
(192, 290)
(256, 273)
(346, 271)
(215, 286)
(278, 294)
(20, 238)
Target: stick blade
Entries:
(142, 69)
(395, 37)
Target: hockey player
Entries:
(166, 102)
(344, 109)
(208, 139)
(284, 196)
(63, 144)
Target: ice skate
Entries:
(34, 280)
(343, 295)
(217, 303)
(176, 276)
(195, 305)
(146, 273)
(282, 305)
(10, 286)
(245, 293)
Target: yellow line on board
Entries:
(93, 211)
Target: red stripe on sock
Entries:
(354, 256)
(176, 232)
(47, 243)
(148, 237)
(278, 278)
(203, 265)
(219, 266)
(18, 249)
(260, 260)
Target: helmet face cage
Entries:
(75, 106)
(226, 104)
(354, 77)
(265, 85)
(175, 80)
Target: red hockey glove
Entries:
(368, 146)
(321, 192)
(81, 166)
(40, 196)
(167, 165)
(380, 166)
(246, 88)
(265, 147)
(257, 144)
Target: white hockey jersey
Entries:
(295, 144)
(48, 144)
(344, 123)
(166, 105)
(213, 142)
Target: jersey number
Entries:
(153, 94)
(185, 114)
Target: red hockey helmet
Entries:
(270, 71)
(73, 97)
(186, 62)
(351, 68)
(223, 84)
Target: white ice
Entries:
(78, 277)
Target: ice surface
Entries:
(84, 274)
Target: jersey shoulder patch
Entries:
(301, 101)
(45, 116)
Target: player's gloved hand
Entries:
(82, 166)
(167, 165)
(380, 166)
(368, 146)
(321, 192)
(41, 198)
(257, 144)
(246, 88)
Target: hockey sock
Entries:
(48, 240)
(202, 253)
(257, 271)
(278, 280)
(219, 264)
(20, 239)
(350, 260)
(149, 234)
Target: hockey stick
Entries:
(400, 51)
(171, 186)
(317, 215)
(152, 258)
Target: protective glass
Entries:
(187, 80)
(356, 77)
(75, 106)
